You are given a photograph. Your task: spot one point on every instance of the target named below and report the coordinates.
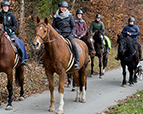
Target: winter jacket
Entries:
(10, 22)
(133, 29)
(95, 26)
(81, 27)
(65, 26)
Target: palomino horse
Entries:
(100, 51)
(56, 58)
(129, 55)
(7, 62)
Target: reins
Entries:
(47, 36)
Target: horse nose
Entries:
(35, 44)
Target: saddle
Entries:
(72, 59)
(15, 50)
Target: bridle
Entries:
(46, 36)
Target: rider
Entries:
(10, 25)
(133, 31)
(98, 25)
(64, 24)
(81, 27)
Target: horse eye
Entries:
(44, 30)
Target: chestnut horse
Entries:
(7, 63)
(55, 59)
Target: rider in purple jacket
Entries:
(81, 27)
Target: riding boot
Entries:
(140, 54)
(22, 62)
(76, 65)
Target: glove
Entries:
(80, 36)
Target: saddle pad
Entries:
(15, 50)
(108, 40)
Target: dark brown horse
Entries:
(56, 58)
(7, 60)
(100, 51)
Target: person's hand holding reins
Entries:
(129, 33)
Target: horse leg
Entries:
(131, 77)
(135, 75)
(69, 80)
(9, 88)
(92, 65)
(78, 91)
(51, 88)
(61, 92)
(19, 79)
(105, 59)
(124, 75)
(100, 68)
(82, 76)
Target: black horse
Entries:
(101, 52)
(88, 39)
(128, 54)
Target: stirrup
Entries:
(76, 66)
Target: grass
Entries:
(131, 105)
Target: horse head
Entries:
(123, 46)
(88, 39)
(42, 33)
(99, 37)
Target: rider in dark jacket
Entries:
(10, 25)
(98, 25)
(64, 24)
(133, 31)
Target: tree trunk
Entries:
(21, 19)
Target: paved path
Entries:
(101, 93)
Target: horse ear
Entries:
(93, 34)
(38, 19)
(46, 20)
(1, 19)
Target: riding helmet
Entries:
(79, 12)
(63, 3)
(131, 19)
(5, 3)
(98, 16)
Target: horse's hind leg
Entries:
(131, 76)
(9, 88)
(100, 68)
(51, 87)
(105, 59)
(19, 80)
(92, 65)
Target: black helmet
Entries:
(98, 16)
(5, 3)
(131, 19)
(63, 3)
(79, 12)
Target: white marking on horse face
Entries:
(61, 104)
(37, 44)
(91, 39)
(101, 36)
(41, 28)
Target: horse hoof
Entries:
(91, 76)
(51, 109)
(60, 112)
(21, 98)
(77, 100)
(8, 108)
(123, 85)
(83, 101)
(100, 77)
(131, 85)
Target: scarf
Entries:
(62, 15)
(79, 20)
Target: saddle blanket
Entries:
(108, 40)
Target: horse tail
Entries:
(19, 77)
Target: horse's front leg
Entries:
(124, 74)
(61, 92)
(131, 76)
(51, 88)
(105, 59)
(92, 65)
(100, 67)
(9, 88)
